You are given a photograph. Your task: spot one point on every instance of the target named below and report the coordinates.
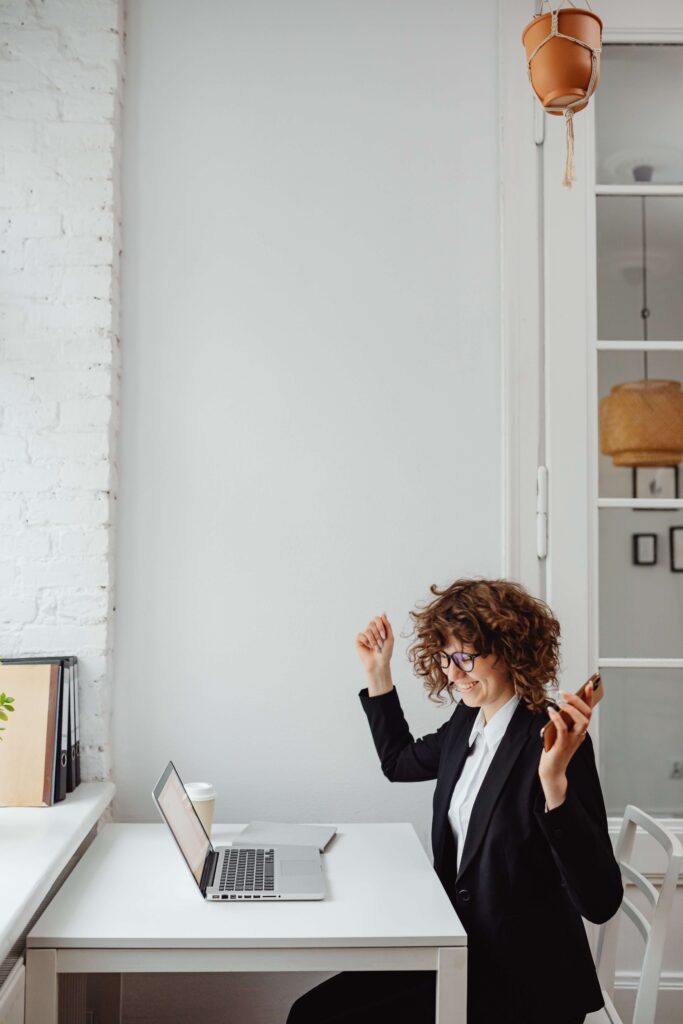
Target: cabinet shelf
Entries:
(654, 504)
(639, 346)
(639, 190)
(640, 663)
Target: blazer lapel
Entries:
(453, 767)
(503, 760)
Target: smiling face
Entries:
(488, 685)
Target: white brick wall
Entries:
(61, 75)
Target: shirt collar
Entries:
(493, 733)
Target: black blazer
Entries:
(526, 877)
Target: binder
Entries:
(62, 726)
(66, 719)
(71, 744)
(77, 725)
(29, 745)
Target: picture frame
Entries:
(644, 549)
(655, 482)
(676, 548)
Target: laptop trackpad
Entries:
(299, 867)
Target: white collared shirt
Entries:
(485, 738)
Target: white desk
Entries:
(131, 906)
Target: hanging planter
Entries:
(641, 423)
(563, 61)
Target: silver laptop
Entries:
(239, 872)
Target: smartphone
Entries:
(549, 731)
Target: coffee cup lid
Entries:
(200, 790)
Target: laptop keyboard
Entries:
(247, 870)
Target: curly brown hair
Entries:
(496, 617)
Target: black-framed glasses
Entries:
(461, 659)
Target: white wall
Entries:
(310, 407)
(61, 66)
(310, 424)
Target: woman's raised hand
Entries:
(375, 645)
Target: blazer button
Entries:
(464, 895)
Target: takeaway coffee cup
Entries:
(203, 798)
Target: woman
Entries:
(519, 834)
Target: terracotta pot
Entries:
(641, 423)
(561, 70)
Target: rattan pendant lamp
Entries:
(563, 49)
(641, 421)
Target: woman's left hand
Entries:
(552, 767)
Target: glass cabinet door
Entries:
(637, 113)
(639, 289)
(620, 223)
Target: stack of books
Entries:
(40, 744)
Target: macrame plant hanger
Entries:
(568, 109)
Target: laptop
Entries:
(239, 872)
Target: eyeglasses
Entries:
(461, 659)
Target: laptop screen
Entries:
(181, 818)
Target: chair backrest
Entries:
(652, 931)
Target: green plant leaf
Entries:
(3, 716)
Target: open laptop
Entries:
(236, 873)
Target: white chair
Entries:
(653, 931)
